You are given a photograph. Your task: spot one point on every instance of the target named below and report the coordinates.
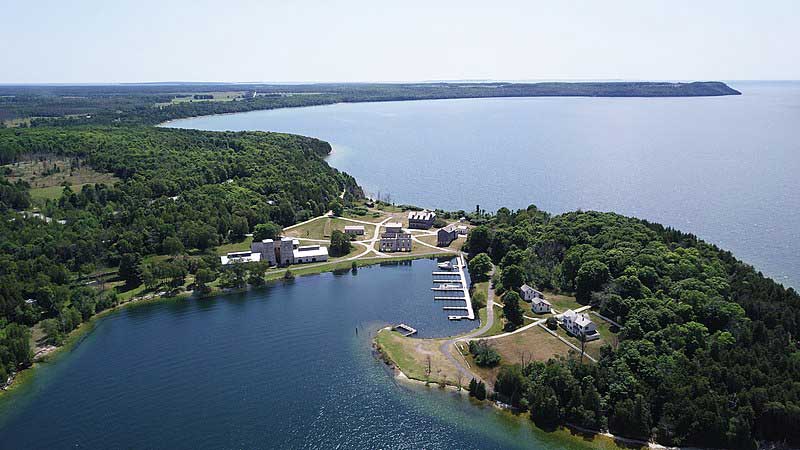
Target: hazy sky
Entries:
(197, 40)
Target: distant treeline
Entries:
(149, 104)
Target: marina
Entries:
(453, 281)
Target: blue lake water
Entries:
(279, 367)
(724, 168)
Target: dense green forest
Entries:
(707, 354)
(150, 104)
(180, 193)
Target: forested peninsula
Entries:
(151, 104)
(707, 352)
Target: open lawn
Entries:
(455, 245)
(411, 356)
(48, 171)
(322, 228)
(561, 302)
(234, 247)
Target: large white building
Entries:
(310, 254)
(579, 324)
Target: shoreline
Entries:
(166, 123)
(74, 337)
(569, 428)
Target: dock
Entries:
(455, 281)
(405, 330)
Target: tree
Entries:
(591, 277)
(512, 310)
(480, 391)
(239, 227)
(129, 268)
(203, 277)
(479, 267)
(478, 240)
(340, 243)
(172, 246)
(485, 355)
(268, 230)
(512, 277)
(336, 207)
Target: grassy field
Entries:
(53, 172)
(561, 302)
(234, 247)
(222, 96)
(411, 355)
(323, 227)
(455, 245)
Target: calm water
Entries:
(724, 168)
(276, 367)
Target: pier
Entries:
(405, 330)
(455, 281)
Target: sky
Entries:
(90, 41)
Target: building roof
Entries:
(526, 288)
(393, 225)
(354, 227)
(240, 257)
(582, 320)
(449, 229)
(421, 215)
(310, 251)
(539, 300)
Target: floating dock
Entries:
(405, 330)
(454, 281)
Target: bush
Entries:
(485, 355)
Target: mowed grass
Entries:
(234, 247)
(561, 302)
(322, 228)
(411, 356)
(433, 239)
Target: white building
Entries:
(579, 324)
(462, 230)
(240, 257)
(529, 293)
(356, 230)
(541, 306)
(310, 254)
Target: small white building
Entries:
(310, 254)
(540, 306)
(579, 324)
(462, 230)
(529, 293)
(240, 257)
(356, 230)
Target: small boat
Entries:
(447, 265)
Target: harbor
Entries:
(450, 284)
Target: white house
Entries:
(540, 306)
(529, 293)
(579, 324)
